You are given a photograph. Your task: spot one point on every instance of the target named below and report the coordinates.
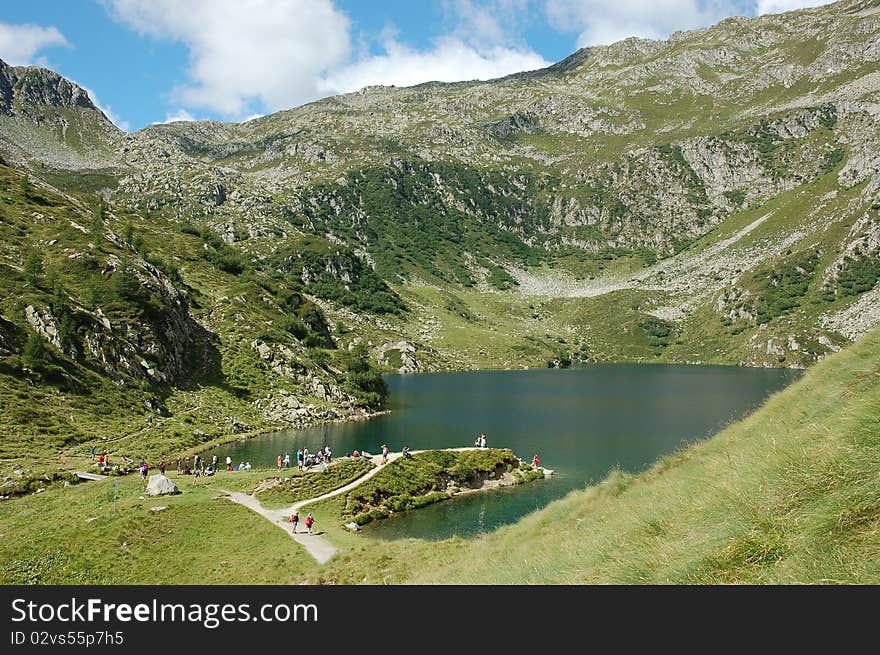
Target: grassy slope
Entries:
(46, 539)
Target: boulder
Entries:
(159, 485)
(352, 526)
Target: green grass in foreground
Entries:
(76, 535)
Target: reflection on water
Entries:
(582, 422)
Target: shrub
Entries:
(859, 274)
(296, 327)
(658, 331)
(783, 286)
(362, 379)
(736, 197)
(833, 159)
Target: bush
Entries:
(859, 274)
(782, 287)
(736, 197)
(378, 513)
(658, 332)
(293, 325)
(833, 159)
(227, 260)
(362, 379)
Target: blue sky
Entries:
(149, 61)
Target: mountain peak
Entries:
(22, 86)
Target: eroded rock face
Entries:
(29, 86)
(43, 324)
(161, 346)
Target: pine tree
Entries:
(98, 221)
(33, 357)
(33, 267)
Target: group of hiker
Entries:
(197, 466)
(305, 459)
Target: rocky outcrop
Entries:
(400, 355)
(162, 346)
(282, 360)
(159, 485)
(43, 324)
(517, 123)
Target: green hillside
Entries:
(108, 319)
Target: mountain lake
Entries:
(582, 422)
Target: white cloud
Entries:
(177, 116)
(483, 42)
(601, 23)
(450, 60)
(490, 22)
(267, 53)
(19, 43)
(780, 6)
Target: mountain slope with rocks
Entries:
(712, 197)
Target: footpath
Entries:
(316, 544)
